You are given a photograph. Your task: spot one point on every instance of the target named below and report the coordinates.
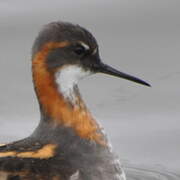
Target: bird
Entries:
(68, 143)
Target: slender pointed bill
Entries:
(103, 68)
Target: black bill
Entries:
(103, 68)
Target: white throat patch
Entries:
(68, 77)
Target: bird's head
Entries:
(72, 53)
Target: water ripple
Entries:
(143, 173)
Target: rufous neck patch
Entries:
(55, 105)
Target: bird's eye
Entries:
(80, 50)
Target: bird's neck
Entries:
(61, 104)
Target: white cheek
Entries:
(69, 76)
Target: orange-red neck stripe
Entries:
(54, 104)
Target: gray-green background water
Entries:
(140, 37)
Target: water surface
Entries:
(134, 172)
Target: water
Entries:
(134, 172)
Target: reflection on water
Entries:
(145, 173)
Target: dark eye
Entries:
(80, 50)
